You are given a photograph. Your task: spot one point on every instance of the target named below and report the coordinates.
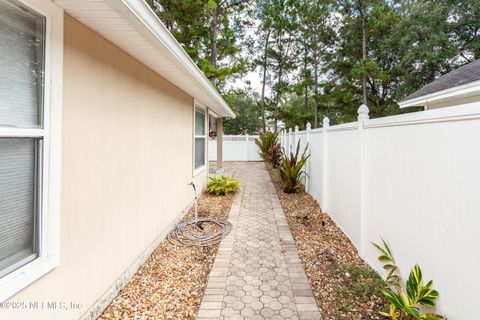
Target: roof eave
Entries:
(466, 90)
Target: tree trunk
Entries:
(213, 49)
(265, 54)
(315, 100)
(277, 98)
(305, 75)
(364, 52)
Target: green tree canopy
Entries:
(310, 53)
(245, 105)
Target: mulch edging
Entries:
(170, 284)
(344, 286)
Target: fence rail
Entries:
(413, 179)
(235, 148)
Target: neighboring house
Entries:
(270, 125)
(103, 122)
(459, 87)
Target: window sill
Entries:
(26, 275)
(199, 170)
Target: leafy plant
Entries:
(406, 300)
(275, 155)
(221, 186)
(264, 142)
(386, 257)
(270, 149)
(291, 170)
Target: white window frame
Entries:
(49, 219)
(200, 106)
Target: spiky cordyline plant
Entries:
(405, 300)
(291, 170)
(269, 148)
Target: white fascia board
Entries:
(466, 90)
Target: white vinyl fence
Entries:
(413, 179)
(235, 148)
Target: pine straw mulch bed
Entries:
(170, 284)
(345, 287)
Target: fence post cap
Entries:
(326, 122)
(363, 112)
(290, 130)
(296, 128)
(309, 126)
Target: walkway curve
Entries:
(257, 273)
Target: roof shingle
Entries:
(463, 75)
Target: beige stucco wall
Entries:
(126, 162)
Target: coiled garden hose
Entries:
(202, 232)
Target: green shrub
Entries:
(291, 170)
(270, 149)
(221, 186)
(405, 299)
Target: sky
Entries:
(252, 79)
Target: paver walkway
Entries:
(257, 273)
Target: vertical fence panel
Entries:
(307, 145)
(290, 137)
(253, 150)
(246, 147)
(362, 120)
(316, 165)
(212, 149)
(343, 179)
(295, 139)
(235, 148)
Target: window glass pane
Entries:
(21, 65)
(199, 152)
(199, 122)
(18, 197)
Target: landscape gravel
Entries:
(171, 282)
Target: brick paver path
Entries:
(257, 272)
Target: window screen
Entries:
(22, 34)
(18, 201)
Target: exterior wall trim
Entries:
(201, 106)
(48, 257)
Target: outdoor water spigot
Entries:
(194, 189)
(198, 223)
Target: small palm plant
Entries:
(221, 186)
(292, 170)
(406, 300)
